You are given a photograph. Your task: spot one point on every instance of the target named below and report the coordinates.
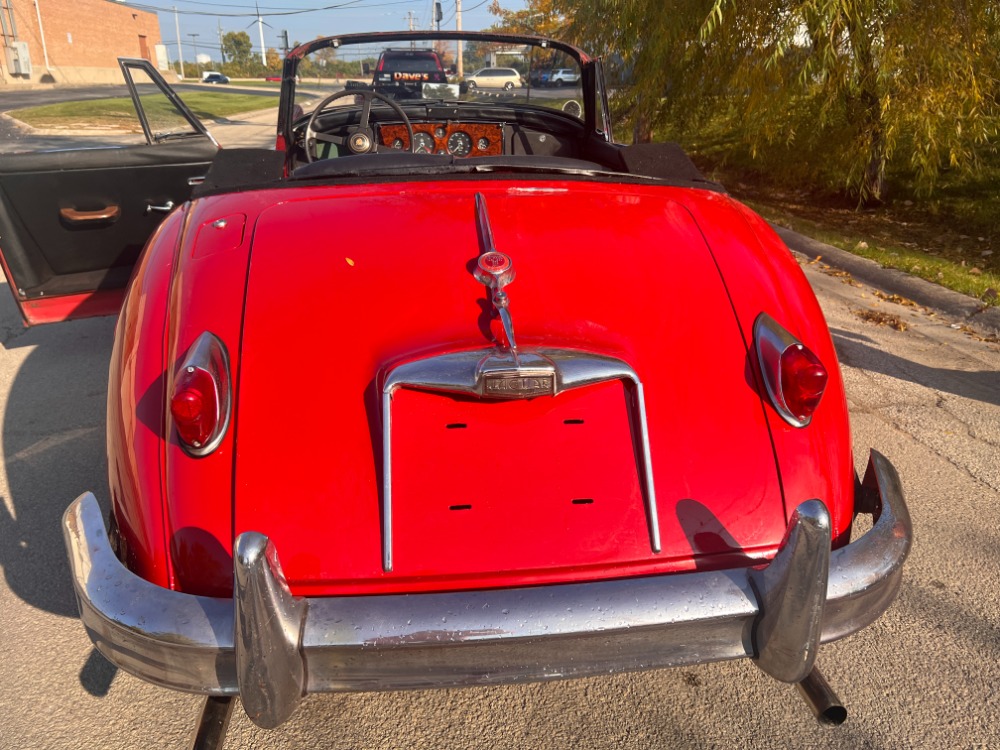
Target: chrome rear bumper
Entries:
(272, 648)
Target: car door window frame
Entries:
(127, 64)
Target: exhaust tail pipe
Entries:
(825, 704)
(210, 733)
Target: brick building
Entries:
(73, 41)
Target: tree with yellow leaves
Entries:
(539, 18)
(836, 89)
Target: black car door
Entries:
(73, 221)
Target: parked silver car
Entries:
(495, 78)
(564, 77)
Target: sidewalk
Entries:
(953, 306)
(247, 130)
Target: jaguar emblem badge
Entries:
(494, 269)
(516, 385)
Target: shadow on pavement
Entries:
(862, 352)
(53, 450)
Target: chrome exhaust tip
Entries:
(825, 705)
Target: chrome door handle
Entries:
(166, 208)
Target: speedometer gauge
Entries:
(423, 143)
(459, 144)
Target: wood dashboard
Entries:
(455, 138)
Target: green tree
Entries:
(839, 89)
(238, 48)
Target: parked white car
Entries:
(495, 78)
(564, 77)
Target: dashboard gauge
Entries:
(440, 132)
(398, 144)
(459, 144)
(423, 143)
(483, 143)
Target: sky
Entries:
(201, 20)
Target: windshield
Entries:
(443, 69)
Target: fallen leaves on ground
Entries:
(881, 318)
(973, 334)
(831, 271)
(895, 298)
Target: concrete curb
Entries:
(956, 307)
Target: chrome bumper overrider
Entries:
(272, 648)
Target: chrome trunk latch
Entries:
(495, 270)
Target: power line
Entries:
(228, 5)
(233, 5)
(422, 23)
(353, 4)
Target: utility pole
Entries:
(438, 15)
(41, 31)
(180, 53)
(194, 44)
(222, 48)
(284, 37)
(459, 69)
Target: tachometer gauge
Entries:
(459, 144)
(423, 143)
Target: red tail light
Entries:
(803, 380)
(200, 403)
(794, 377)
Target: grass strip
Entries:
(119, 113)
(957, 275)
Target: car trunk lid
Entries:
(348, 283)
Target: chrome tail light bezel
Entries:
(771, 341)
(207, 354)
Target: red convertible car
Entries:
(449, 390)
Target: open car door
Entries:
(73, 221)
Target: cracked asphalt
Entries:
(924, 676)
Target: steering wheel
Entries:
(361, 138)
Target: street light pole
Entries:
(194, 43)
